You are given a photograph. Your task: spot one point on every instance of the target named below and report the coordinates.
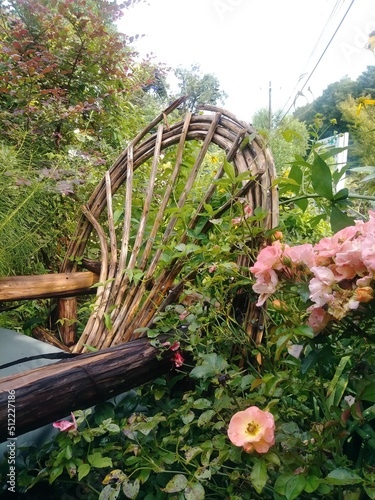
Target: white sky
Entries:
(248, 43)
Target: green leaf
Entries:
(83, 470)
(280, 484)
(312, 483)
(116, 475)
(342, 194)
(202, 404)
(321, 178)
(341, 477)
(205, 417)
(246, 140)
(339, 219)
(338, 383)
(302, 204)
(370, 490)
(177, 483)
(332, 152)
(212, 365)
(181, 247)
(55, 473)
(296, 174)
(304, 331)
(194, 491)
(295, 486)
(189, 417)
(97, 460)
(259, 476)
(290, 134)
(368, 393)
(110, 492)
(103, 411)
(192, 452)
(229, 170)
(131, 489)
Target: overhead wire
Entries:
(300, 91)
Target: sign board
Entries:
(339, 160)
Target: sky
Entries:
(300, 46)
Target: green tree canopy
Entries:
(287, 138)
(199, 89)
(328, 104)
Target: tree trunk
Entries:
(49, 393)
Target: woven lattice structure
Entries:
(153, 169)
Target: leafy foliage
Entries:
(288, 137)
(328, 104)
(200, 89)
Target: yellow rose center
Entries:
(252, 428)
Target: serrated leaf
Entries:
(295, 486)
(341, 477)
(189, 417)
(176, 484)
(212, 365)
(130, 489)
(192, 452)
(110, 492)
(181, 247)
(103, 411)
(55, 473)
(202, 403)
(259, 476)
(114, 476)
(370, 490)
(312, 484)
(83, 470)
(205, 417)
(97, 460)
(194, 491)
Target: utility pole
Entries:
(269, 106)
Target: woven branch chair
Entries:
(125, 306)
(141, 237)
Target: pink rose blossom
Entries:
(265, 286)
(318, 319)
(301, 255)
(66, 425)
(253, 429)
(368, 253)
(177, 359)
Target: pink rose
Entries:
(253, 429)
(66, 425)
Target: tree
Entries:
(287, 137)
(328, 104)
(64, 67)
(200, 89)
(68, 83)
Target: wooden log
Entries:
(67, 308)
(47, 285)
(51, 392)
(44, 335)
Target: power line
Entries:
(320, 58)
